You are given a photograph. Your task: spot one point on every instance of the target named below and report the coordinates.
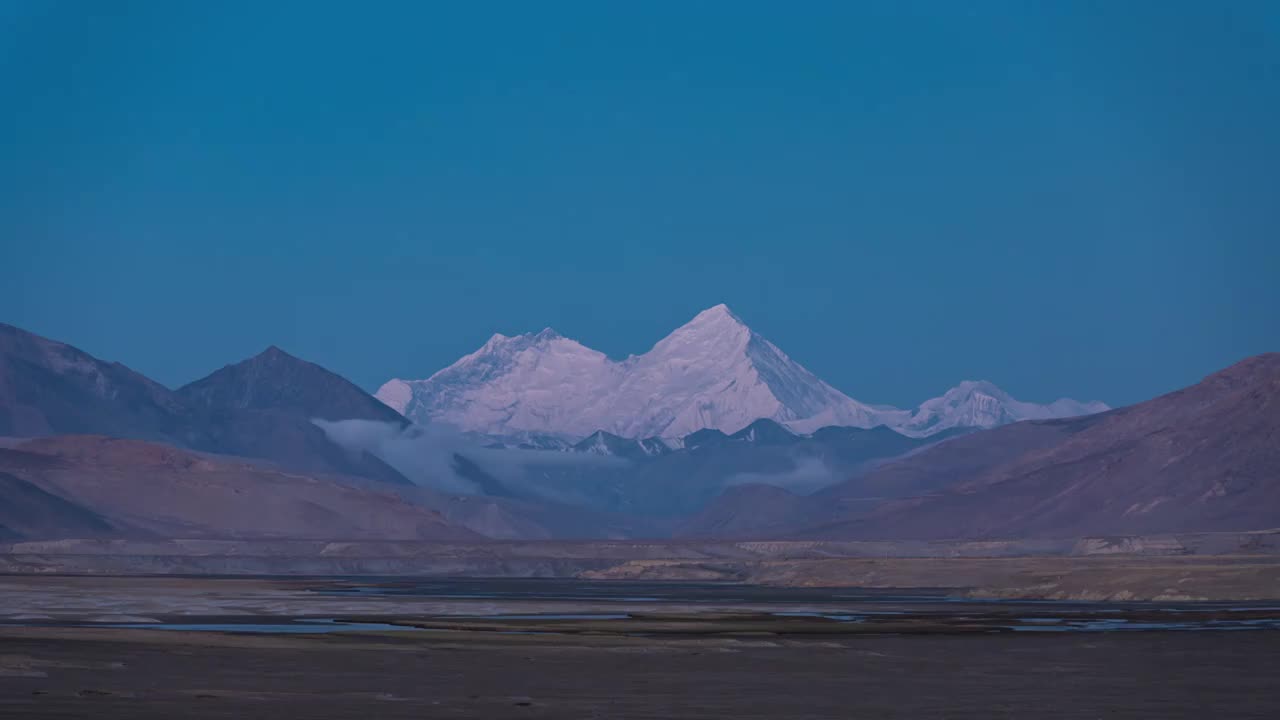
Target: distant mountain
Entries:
(533, 383)
(277, 381)
(525, 441)
(1202, 459)
(765, 432)
(603, 443)
(264, 407)
(658, 479)
(103, 486)
(980, 404)
(749, 511)
(774, 505)
(260, 408)
(48, 388)
(706, 437)
(714, 372)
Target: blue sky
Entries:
(1069, 198)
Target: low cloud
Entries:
(425, 455)
(809, 475)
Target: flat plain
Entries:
(120, 647)
(58, 672)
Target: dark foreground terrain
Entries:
(103, 673)
(187, 647)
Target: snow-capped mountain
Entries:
(980, 404)
(713, 372)
(534, 383)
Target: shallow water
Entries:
(323, 603)
(294, 626)
(546, 616)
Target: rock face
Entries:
(1202, 459)
(88, 486)
(714, 372)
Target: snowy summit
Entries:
(712, 372)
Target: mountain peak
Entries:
(711, 372)
(980, 404)
(715, 315)
(715, 331)
(277, 381)
(765, 432)
(273, 353)
(720, 310)
(968, 387)
(499, 341)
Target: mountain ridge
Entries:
(713, 372)
(1201, 459)
(262, 407)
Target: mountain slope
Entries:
(528, 383)
(603, 443)
(275, 380)
(652, 480)
(168, 492)
(30, 513)
(765, 508)
(714, 372)
(1205, 458)
(264, 407)
(259, 408)
(49, 388)
(750, 511)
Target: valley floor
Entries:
(1212, 567)
(104, 674)
(415, 647)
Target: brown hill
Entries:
(165, 491)
(29, 513)
(1205, 458)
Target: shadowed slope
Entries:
(275, 380)
(49, 388)
(260, 408)
(176, 493)
(28, 512)
(1205, 458)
